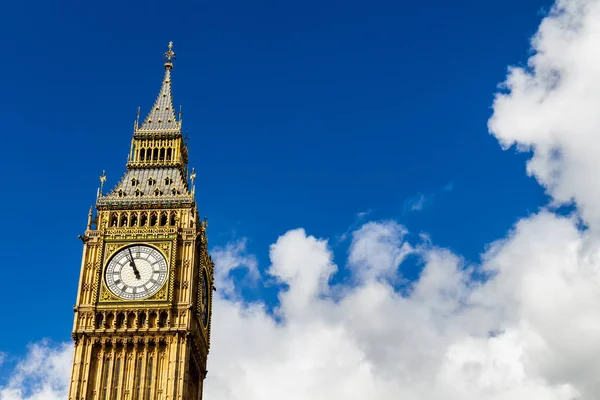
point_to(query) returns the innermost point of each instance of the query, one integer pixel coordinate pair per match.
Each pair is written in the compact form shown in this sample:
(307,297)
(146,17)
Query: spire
(162,115)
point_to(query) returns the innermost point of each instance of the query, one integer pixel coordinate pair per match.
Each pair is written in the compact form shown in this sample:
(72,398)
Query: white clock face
(136,272)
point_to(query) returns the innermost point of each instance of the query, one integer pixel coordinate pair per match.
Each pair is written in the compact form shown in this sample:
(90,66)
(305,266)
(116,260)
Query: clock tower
(142,317)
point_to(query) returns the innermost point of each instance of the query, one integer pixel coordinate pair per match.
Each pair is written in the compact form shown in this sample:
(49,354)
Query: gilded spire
(169,55)
(161,117)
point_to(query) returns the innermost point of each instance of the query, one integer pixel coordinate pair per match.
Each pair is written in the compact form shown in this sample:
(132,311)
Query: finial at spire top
(169,56)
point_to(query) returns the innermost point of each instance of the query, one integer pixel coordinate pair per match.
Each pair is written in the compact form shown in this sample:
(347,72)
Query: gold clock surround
(165,248)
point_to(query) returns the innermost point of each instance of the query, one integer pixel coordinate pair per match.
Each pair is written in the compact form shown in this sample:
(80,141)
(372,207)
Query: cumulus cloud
(377,249)
(42,375)
(522,324)
(230,258)
(449,338)
(551,107)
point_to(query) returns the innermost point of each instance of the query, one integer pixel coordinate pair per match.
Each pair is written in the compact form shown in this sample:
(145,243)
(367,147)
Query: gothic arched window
(144,219)
(141,319)
(120,320)
(153,219)
(124,219)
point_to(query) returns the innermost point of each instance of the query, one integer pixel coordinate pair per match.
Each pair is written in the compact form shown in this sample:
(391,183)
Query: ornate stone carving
(107,296)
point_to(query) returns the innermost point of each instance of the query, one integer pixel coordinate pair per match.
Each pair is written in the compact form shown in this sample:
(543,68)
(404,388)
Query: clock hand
(132,264)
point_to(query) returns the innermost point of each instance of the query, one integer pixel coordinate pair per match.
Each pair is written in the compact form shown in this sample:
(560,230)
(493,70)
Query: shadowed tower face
(142,318)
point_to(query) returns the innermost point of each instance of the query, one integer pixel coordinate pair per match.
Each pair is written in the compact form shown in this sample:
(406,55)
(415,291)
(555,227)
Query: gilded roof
(153,185)
(162,115)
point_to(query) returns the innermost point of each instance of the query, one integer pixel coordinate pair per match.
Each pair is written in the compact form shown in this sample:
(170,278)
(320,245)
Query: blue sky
(300,114)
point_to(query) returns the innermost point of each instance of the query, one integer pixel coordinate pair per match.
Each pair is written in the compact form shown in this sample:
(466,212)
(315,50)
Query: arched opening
(141,319)
(144,219)
(168,154)
(152,320)
(114,220)
(124,219)
(148,154)
(130,320)
(172,221)
(162,154)
(155,155)
(116,377)
(149,377)
(163,319)
(99,320)
(142,154)
(153,219)
(120,320)
(110,318)
(134,220)
(163,219)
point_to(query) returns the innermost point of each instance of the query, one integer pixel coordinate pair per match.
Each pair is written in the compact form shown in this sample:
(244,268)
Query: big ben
(143,310)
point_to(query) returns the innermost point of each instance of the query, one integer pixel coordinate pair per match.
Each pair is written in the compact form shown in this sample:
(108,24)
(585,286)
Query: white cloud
(305,266)
(377,250)
(229,258)
(369,341)
(551,108)
(42,375)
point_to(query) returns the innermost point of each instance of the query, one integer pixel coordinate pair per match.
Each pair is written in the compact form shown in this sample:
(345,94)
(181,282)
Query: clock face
(204,297)
(136,272)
